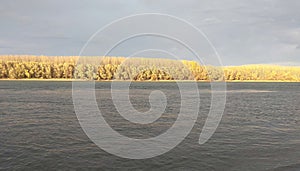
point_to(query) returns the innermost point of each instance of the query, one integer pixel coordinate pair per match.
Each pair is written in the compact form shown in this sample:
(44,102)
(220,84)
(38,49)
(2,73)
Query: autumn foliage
(139,69)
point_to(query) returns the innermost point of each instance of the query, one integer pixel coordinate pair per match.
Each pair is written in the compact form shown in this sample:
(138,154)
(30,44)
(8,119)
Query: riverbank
(204,81)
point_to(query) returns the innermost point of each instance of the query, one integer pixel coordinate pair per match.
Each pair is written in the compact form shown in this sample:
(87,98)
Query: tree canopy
(139,69)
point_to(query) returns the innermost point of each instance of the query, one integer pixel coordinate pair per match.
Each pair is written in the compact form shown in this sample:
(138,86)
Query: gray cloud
(258,31)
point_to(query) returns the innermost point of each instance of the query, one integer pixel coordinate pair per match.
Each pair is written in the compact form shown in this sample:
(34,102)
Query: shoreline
(202,81)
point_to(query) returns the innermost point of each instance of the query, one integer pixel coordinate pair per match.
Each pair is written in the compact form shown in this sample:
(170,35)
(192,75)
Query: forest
(137,69)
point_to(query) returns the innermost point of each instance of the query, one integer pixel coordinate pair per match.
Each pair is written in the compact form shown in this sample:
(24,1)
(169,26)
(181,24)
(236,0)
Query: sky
(242,31)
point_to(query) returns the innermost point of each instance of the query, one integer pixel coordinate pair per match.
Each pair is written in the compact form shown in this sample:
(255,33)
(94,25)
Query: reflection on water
(260,129)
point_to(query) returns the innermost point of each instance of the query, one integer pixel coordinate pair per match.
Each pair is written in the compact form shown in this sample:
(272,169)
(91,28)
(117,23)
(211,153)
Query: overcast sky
(243,31)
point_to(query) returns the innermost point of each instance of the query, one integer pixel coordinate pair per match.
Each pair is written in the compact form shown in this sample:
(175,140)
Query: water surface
(260,128)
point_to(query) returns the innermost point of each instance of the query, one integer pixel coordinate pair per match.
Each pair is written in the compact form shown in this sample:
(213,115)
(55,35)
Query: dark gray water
(260,129)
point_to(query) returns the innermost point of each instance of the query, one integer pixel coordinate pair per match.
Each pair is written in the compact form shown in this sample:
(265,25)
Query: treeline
(140,69)
(262,72)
